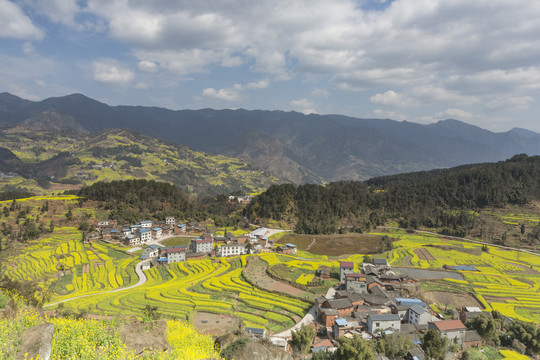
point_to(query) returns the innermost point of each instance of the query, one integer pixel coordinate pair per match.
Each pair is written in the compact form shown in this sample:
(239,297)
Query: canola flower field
(506,280)
(90,339)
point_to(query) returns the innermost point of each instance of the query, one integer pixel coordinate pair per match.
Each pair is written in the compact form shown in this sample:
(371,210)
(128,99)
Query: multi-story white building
(146,224)
(232,250)
(203,244)
(175,254)
(145,235)
(170,220)
(157,232)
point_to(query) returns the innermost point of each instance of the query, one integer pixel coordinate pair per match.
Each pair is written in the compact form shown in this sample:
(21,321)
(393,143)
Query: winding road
(138,271)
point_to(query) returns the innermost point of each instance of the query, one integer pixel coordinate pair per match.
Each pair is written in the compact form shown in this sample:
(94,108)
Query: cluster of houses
(372,302)
(137,234)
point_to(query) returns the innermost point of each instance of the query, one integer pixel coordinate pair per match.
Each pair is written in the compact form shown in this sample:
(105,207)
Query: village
(372,302)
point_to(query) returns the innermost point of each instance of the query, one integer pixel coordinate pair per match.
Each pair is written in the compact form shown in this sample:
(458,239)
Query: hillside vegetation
(43,161)
(296,147)
(447,200)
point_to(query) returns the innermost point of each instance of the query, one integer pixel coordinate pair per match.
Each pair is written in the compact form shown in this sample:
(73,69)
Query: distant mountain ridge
(296,147)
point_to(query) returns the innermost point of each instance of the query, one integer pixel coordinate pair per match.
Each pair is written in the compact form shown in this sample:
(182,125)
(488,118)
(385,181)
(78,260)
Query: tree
(301,339)
(486,327)
(394,346)
(354,349)
(434,345)
(522,229)
(368,259)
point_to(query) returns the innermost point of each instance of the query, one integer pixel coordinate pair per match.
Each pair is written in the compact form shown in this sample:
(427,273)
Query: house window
(377,324)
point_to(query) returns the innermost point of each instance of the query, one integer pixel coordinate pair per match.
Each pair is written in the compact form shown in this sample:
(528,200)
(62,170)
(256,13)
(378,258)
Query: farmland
(507,281)
(64,267)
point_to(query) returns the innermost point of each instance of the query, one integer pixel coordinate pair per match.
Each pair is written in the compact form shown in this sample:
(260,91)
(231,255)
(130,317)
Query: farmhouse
(232,250)
(146,224)
(157,232)
(419,315)
(174,254)
(345,267)
(203,244)
(170,220)
(452,329)
(383,322)
(145,235)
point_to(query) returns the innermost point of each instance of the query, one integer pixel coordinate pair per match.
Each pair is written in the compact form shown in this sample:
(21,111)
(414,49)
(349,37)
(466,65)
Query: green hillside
(45,161)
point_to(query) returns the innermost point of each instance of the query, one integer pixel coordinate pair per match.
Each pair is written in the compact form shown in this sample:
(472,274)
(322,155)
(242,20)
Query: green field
(507,281)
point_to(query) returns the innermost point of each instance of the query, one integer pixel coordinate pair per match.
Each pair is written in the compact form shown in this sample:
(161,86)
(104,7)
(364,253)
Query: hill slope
(66,157)
(299,148)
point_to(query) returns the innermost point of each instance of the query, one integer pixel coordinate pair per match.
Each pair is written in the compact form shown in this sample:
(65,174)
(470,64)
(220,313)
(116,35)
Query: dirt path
(138,271)
(310,245)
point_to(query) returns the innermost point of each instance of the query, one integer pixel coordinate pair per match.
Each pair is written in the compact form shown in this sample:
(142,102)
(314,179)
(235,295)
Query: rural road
(138,271)
(308,319)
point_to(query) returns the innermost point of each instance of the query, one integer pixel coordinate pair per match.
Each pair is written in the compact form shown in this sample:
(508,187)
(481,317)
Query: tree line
(445,198)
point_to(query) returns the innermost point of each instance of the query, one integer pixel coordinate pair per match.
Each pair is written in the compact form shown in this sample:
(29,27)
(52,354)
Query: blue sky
(415,60)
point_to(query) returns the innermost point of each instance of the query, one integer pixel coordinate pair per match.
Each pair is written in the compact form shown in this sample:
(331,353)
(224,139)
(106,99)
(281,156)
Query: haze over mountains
(296,147)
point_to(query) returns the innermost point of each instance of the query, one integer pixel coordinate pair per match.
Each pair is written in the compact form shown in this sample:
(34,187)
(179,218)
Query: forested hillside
(444,199)
(129,201)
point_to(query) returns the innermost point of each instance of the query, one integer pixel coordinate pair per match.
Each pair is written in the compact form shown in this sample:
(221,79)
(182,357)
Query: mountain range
(292,146)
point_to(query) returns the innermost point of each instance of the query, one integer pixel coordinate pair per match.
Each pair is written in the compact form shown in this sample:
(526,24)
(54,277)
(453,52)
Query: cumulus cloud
(108,71)
(147,66)
(235,93)
(391,98)
(15,24)
(321,93)
(383,114)
(261,84)
(303,105)
(58,11)
(229,94)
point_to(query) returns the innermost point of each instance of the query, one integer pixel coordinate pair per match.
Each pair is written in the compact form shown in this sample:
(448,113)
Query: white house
(203,244)
(134,228)
(146,224)
(170,220)
(452,329)
(132,240)
(232,250)
(145,235)
(383,322)
(419,315)
(157,232)
(175,254)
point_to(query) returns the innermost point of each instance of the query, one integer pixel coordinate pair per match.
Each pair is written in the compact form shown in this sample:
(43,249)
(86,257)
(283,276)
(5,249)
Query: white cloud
(108,71)
(15,24)
(261,84)
(147,66)
(58,11)
(234,93)
(383,114)
(320,93)
(229,94)
(391,98)
(303,105)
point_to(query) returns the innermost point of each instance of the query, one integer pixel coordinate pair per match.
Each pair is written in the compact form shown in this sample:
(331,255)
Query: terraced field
(506,280)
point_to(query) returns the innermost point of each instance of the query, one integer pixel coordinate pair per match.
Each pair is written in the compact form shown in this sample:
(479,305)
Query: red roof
(346,264)
(447,325)
(202,241)
(174,250)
